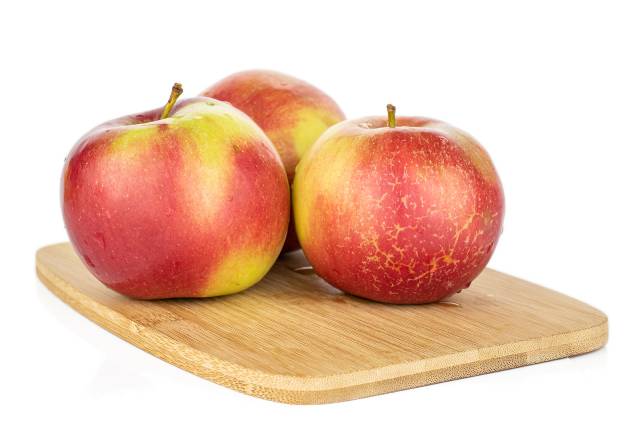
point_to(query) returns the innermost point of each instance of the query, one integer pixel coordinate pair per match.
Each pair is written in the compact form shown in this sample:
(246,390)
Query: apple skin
(291,112)
(403,215)
(194,205)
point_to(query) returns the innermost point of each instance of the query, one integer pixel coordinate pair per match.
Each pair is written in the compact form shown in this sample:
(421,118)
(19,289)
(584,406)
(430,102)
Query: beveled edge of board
(325,389)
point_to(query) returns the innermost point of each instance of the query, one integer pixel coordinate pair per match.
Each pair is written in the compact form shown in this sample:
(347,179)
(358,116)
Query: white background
(551,89)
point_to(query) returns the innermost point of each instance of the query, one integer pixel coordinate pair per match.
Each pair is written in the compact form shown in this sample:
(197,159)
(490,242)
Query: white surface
(550,88)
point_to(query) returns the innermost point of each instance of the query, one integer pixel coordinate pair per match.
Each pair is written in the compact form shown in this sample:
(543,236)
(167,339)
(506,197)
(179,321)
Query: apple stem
(391,115)
(176,91)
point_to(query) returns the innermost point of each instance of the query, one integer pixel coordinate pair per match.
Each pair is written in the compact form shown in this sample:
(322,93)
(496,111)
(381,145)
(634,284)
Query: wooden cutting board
(293,338)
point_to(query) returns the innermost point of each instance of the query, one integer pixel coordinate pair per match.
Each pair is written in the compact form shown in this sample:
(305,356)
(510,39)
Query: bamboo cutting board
(292,338)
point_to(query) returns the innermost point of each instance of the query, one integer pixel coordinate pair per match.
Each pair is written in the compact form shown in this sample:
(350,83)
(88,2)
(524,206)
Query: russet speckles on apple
(402,210)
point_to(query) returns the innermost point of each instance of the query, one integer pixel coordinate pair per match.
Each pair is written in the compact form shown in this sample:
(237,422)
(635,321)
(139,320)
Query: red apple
(405,211)
(292,113)
(189,204)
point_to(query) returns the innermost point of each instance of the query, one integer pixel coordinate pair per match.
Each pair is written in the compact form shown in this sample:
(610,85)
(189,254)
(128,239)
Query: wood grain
(292,338)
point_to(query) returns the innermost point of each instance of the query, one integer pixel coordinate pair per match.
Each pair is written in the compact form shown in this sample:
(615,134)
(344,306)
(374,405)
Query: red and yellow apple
(291,112)
(189,201)
(402,211)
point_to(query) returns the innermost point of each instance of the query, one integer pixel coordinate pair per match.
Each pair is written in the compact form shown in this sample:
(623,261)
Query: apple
(291,112)
(187,201)
(405,210)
